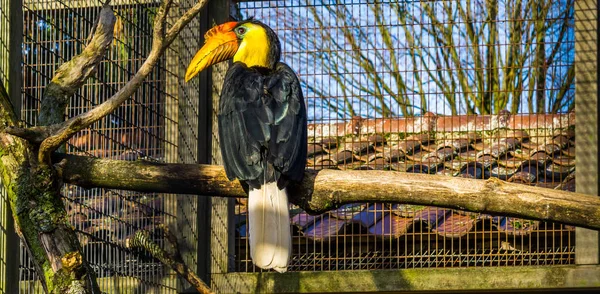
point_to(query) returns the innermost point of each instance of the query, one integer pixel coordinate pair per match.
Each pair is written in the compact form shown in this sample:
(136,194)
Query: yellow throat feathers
(254,48)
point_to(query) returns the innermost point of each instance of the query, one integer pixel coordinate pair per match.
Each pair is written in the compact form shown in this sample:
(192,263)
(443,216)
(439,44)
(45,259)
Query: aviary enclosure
(463,88)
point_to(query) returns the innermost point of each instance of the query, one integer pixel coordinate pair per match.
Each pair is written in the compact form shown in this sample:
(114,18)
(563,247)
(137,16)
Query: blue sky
(309,29)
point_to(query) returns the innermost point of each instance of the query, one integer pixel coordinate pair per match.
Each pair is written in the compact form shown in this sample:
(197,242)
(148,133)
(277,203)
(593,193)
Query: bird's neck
(255,50)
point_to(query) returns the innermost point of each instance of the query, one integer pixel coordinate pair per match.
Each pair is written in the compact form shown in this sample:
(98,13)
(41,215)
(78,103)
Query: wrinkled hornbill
(262,130)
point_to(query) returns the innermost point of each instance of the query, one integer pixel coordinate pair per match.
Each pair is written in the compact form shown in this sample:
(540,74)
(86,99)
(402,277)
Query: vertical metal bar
(587,250)
(15,37)
(204,151)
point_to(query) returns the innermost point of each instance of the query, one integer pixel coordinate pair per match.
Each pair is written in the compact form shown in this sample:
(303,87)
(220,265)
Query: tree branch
(67,80)
(33,135)
(142,239)
(161,42)
(329,189)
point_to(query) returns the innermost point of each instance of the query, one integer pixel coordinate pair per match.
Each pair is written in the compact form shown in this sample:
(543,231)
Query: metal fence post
(586,106)
(13,29)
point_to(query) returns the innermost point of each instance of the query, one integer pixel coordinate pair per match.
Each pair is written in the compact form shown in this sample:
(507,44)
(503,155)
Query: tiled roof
(536,150)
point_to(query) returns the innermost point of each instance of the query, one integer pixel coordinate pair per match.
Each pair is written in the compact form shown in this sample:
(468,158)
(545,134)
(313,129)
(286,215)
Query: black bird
(262,129)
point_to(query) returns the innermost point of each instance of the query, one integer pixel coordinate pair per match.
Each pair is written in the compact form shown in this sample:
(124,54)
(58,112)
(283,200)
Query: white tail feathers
(269,225)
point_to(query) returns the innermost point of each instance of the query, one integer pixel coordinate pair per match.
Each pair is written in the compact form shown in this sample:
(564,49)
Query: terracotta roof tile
(418,168)
(487,161)
(324,227)
(393,152)
(457,144)
(417,155)
(534,150)
(496,150)
(431,216)
(442,154)
(391,226)
(314,149)
(329,142)
(540,156)
(357,147)
(564,160)
(503,173)
(369,215)
(473,170)
(445,171)
(376,139)
(523,177)
(510,162)
(455,225)
(570,151)
(541,121)
(454,165)
(407,146)
(401,165)
(468,155)
(343,156)
(516,226)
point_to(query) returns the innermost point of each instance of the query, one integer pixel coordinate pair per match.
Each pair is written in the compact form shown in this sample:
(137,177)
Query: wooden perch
(142,239)
(329,189)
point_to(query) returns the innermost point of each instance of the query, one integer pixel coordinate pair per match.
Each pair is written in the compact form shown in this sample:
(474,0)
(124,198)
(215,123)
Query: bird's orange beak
(220,44)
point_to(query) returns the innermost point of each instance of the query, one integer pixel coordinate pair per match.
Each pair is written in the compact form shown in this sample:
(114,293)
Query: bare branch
(70,76)
(8,113)
(160,43)
(142,239)
(34,135)
(183,21)
(329,189)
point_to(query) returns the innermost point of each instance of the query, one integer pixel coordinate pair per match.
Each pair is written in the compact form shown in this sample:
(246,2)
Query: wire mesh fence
(473,89)
(5,215)
(147,127)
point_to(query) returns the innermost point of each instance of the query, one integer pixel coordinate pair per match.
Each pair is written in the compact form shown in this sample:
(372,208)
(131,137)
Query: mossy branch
(329,189)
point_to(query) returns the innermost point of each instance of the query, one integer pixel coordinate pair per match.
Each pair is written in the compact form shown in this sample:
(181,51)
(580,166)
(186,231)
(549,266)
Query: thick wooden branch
(329,189)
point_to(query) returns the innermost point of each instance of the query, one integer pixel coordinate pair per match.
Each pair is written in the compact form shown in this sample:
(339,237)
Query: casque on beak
(220,44)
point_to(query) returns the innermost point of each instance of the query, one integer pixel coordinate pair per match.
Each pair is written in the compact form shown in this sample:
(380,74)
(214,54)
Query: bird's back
(262,125)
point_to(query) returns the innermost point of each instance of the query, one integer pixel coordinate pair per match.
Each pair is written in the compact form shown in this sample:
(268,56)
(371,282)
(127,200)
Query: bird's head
(250,41)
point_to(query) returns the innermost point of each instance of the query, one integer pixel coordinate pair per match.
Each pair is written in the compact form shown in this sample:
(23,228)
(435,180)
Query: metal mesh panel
(473,89)
(5,214)
(4,218)
(188,140)
(144,127)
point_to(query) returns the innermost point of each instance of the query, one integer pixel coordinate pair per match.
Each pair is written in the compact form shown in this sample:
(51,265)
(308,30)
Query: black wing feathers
(262,125)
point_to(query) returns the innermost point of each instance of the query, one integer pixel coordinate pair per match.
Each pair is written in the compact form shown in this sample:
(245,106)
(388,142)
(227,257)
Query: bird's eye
(241,31)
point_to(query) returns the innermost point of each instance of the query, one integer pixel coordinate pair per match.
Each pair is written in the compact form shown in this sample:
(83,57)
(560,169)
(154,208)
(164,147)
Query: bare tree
(400,58)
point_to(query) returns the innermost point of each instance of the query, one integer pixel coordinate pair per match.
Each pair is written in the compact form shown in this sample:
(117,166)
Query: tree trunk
(34,186)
